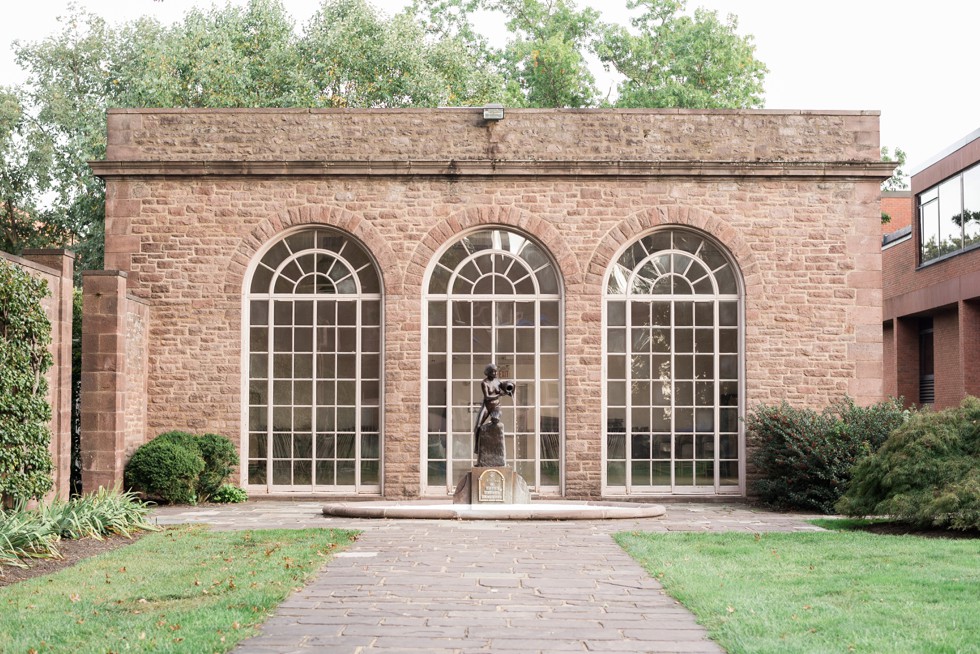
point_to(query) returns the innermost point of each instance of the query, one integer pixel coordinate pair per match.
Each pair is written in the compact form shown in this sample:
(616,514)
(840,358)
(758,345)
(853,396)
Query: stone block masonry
(194,196)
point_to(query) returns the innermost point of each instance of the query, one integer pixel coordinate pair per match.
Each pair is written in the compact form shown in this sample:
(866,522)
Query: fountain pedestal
(491,481)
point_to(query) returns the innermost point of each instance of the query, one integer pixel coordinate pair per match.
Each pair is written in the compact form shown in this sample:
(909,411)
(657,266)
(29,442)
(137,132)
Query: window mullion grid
(671,347)
(357,395)
(537,389)
(269,399)
(314,398)
(716,393)
(628,398)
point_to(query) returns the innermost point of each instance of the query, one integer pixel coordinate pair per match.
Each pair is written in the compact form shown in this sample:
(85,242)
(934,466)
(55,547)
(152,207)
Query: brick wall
(898,205)
(802,224)
(56,267)
(948,359)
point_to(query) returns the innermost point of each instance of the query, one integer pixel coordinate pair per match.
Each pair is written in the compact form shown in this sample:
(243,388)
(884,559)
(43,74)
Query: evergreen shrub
(166,471)
(805,457)
(229,494)
(217,453)
(25,435)
(926,474)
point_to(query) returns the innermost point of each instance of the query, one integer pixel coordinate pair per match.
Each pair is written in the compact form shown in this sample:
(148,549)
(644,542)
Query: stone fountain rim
(543,510)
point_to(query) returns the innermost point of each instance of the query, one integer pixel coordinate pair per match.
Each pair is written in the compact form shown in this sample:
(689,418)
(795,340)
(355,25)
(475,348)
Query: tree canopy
(347,55)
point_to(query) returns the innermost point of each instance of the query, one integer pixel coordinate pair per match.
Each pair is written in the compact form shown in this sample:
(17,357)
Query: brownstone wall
(114,377)
(793,196)
(56,267)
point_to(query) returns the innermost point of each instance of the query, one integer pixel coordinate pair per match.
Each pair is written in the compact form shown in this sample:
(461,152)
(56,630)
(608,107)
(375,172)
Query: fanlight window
(314,366)
(673,361)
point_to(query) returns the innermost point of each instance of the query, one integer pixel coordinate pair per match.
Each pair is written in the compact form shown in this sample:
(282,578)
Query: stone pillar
(103,378)
(59,375)
(948,359)
(888,361)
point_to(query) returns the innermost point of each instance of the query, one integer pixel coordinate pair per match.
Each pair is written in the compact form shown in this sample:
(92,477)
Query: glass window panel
(259,339)
(302,418)
(282,339)
(302,446)
(950,206)
(616,473)
(258,445)
(369,419)
(704,340)
(704,393)
(525,340)
(346,471)
(929,230)
(683,393)
(550,366)
(616,313)
(261,279)
(660,473)
(640,314)
(641,419)
(728,446)
(661,393)
(640,339)
(346,365)
(282,473)
(728,340)
(659,341)
(370,446)
(729,420)
(282,418)
(725,278)
(302,392)
(728,393)
(616,394)
(728,473)
(256,472)
(616,367)
(704,447)
(369,472)
(346,419)
(704,473)
(436,472)
(660,446)
(325,474)
(661,419)
(684,314)
(683,366)
(640,446)
(684,446)
(616,419)
(728,367)
(258,392)
(661,313)
(683,420)
(970,218)
(639,367)
(639,393)
(616,446)
(640,473)
(684,340)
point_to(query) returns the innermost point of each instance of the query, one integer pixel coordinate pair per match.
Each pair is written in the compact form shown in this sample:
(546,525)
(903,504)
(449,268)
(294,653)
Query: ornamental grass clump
(927,473)
(805,457)
(34,533)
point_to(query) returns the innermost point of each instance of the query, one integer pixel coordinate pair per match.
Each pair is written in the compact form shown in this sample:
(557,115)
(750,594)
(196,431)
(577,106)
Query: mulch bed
(72,551)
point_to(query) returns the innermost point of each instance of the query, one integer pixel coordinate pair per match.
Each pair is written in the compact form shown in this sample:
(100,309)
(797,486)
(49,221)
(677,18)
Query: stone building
(326,287)
(931,284)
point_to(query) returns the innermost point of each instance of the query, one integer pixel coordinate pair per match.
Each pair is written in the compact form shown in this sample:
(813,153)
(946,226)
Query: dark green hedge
(25,435)
(805,457)
(926,474)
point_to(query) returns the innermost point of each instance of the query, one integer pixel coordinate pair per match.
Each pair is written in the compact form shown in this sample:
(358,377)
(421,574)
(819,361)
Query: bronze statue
(493,389)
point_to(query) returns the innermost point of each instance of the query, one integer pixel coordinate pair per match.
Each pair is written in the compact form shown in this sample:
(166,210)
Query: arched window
(673,361)
(314,366)
(493,296)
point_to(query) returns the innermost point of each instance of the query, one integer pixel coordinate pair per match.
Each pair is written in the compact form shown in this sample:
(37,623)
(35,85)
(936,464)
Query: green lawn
(180,590)
(822,592)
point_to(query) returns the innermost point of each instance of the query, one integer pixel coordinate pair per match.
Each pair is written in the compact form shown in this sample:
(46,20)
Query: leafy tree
(348,55)
(899,180)
(673,60)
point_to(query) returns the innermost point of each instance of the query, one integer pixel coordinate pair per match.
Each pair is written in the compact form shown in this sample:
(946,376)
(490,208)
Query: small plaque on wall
(491,487)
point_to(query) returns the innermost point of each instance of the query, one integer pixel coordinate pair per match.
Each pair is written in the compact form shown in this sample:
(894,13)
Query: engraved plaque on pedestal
(491,486)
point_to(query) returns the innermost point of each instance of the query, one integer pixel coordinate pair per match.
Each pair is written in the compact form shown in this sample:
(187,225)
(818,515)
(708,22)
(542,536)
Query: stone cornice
(877,170)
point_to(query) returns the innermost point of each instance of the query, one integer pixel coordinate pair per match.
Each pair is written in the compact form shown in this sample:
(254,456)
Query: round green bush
(805,457)
(219,455)
(926,474)
(166,471)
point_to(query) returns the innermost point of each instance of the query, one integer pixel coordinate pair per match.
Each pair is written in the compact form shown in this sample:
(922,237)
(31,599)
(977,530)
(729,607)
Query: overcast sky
(914,62)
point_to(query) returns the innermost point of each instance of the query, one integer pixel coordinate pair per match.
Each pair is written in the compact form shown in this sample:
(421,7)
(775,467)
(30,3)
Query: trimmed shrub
(217,452)
(229,494)
(805,457)
(25,333)
(166,471)
(926,474)
(220,457)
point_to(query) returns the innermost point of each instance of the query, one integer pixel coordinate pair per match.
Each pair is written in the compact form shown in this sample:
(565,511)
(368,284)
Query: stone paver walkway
(451,586)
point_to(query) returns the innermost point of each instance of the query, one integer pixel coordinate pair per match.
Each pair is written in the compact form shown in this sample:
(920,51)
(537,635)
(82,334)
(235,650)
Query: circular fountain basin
(558,510)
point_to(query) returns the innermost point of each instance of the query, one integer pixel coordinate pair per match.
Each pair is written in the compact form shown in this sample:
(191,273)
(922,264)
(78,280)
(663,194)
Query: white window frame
(538,297)
(628,488)
(359,297)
